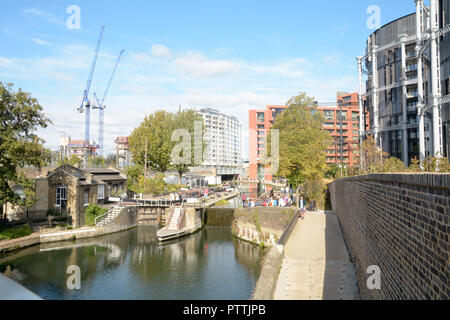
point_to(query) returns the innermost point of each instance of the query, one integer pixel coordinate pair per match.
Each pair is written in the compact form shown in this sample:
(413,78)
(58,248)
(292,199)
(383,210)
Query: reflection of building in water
(151,260)
(246,254)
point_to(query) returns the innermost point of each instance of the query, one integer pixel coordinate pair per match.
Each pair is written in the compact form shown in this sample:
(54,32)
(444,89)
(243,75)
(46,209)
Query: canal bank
(129,219)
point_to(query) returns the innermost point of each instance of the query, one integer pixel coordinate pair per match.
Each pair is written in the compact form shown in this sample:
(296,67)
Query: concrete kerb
(271,266)
(267,282)
(12,245)
(15,244)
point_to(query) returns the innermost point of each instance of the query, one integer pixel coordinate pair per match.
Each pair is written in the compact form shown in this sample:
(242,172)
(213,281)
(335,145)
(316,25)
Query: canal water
(211,264)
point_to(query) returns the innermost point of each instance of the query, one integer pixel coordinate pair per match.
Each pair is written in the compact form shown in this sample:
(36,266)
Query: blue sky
(230,55)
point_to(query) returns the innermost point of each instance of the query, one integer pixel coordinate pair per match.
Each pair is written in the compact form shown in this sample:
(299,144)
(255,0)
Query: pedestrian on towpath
(302,207)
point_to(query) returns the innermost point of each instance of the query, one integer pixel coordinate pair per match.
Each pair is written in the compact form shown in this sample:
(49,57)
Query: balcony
(411,67)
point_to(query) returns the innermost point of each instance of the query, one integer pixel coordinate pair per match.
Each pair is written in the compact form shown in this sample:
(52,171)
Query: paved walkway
(316,264)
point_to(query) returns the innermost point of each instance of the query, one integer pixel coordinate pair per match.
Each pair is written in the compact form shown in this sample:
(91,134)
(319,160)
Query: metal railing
(119,205)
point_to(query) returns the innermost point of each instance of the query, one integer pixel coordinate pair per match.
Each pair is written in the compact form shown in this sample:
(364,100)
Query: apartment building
(407,64)
(343,115)
(260,123)
(223,139)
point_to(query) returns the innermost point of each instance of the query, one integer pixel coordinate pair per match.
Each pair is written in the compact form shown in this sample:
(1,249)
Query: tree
(155,135)
(303,142)
(152,141)
(73,161)
(186,119)
(374,160)
(371,156)
(20,116)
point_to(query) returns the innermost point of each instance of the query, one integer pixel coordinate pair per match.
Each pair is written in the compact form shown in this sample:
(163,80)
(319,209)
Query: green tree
(303,143)
(73,161)
(20,117)
(155,134)
(153,137)
(186,119)
(374,160)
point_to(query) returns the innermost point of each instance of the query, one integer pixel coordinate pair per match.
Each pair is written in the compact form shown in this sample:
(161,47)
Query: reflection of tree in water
(183,265)
(93,256)
(249,255)
(153,261)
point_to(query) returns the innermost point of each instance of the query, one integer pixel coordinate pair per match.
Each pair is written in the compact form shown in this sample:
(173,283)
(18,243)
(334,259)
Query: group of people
(271,200)
(176,196)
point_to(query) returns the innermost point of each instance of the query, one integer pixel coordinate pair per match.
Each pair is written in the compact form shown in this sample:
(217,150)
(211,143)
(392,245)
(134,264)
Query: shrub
(14,233)
(314,189)
(92,212)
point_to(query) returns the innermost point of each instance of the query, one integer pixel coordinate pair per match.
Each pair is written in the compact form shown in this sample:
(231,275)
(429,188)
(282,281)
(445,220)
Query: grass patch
(222,202)
(92,212)
(14,233)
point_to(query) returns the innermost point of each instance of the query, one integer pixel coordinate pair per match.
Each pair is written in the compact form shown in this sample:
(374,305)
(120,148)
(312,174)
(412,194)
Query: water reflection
(210,264)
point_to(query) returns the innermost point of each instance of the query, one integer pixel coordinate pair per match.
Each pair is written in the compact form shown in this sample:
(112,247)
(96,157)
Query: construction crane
(86,103)
(101,105)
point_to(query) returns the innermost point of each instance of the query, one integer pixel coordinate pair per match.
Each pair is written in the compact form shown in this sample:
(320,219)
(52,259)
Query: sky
(229,55)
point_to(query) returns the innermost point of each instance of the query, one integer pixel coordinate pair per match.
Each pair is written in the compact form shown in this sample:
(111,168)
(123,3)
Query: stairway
(110,217)
(173,223)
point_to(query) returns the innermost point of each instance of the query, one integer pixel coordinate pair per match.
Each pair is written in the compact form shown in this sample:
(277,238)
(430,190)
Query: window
(260,116)
(260,126)
(86,197)
(61,195)
(329,114)
(101,191)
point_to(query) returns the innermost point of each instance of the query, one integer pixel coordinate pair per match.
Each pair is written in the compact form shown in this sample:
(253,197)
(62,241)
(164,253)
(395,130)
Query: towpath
(316,265)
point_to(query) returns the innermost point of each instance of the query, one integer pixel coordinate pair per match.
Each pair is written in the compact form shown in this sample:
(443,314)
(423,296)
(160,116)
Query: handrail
(109,211)
(101,216)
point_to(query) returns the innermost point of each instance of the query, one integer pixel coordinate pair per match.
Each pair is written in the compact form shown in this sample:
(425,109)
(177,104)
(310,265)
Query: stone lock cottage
(69,190)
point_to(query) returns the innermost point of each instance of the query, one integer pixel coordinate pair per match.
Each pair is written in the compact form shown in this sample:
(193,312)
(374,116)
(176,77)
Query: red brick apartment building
(261,121)
(350,128)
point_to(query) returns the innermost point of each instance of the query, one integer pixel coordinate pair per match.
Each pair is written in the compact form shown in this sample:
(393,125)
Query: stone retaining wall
(400,223)
(262,225)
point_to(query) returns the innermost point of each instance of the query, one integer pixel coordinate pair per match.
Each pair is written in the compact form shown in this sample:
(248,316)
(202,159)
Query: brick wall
(399,222)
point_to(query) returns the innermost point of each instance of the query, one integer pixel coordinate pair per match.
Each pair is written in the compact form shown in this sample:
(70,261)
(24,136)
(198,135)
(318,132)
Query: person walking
(244,199)
(302,207)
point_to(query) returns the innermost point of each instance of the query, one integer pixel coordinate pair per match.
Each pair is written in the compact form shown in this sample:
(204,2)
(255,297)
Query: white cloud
(40,41)
(46,15)
(197,65)
(159,50)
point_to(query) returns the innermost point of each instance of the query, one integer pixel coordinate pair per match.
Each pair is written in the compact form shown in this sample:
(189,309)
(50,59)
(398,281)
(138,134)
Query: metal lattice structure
(403,87)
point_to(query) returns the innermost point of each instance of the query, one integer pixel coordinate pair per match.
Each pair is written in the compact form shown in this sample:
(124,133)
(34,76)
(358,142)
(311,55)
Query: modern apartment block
(223,139)
(345,113)
(260,123)
(407,64)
